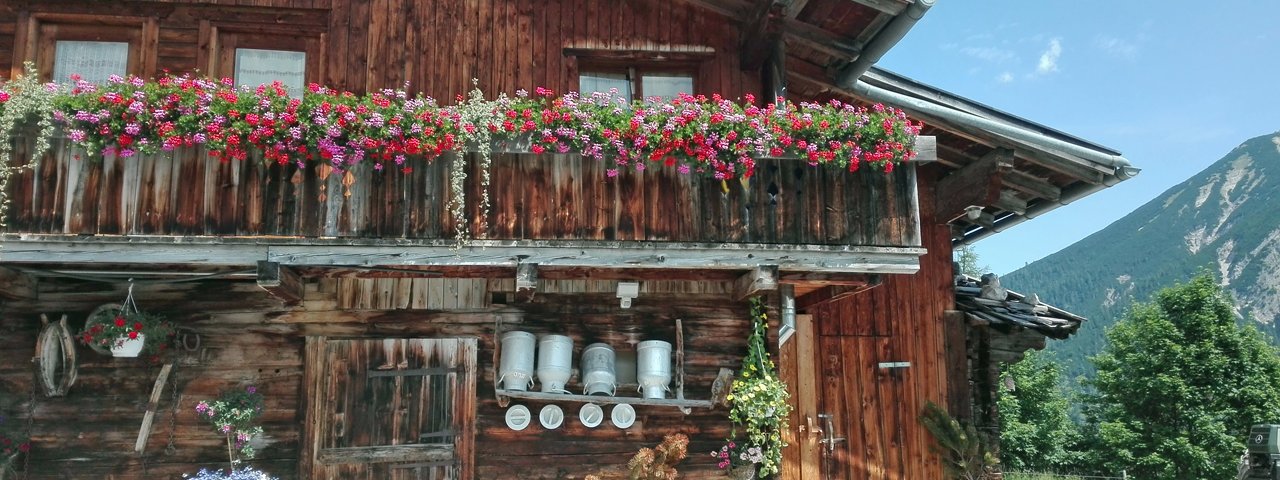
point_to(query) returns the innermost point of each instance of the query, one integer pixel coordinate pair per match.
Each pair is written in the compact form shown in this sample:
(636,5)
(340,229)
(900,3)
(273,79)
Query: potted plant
(234,415)
(124,330)
(12,446)
(758,406)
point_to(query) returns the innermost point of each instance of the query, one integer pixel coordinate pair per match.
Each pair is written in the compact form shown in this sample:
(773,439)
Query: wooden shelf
(560,397)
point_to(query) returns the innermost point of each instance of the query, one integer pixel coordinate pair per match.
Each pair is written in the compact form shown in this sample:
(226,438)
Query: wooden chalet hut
(344,297)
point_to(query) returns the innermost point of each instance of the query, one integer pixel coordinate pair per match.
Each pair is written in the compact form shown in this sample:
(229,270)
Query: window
(262,67)
(636,83)
(251,57)
(95,47)
(93,61)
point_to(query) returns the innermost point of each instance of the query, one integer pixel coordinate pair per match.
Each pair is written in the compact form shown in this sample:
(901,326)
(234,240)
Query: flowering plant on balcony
(711,136)
(234,415)
(758,405)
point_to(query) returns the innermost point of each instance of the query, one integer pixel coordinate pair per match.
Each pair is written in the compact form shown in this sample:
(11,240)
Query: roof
(1014,311)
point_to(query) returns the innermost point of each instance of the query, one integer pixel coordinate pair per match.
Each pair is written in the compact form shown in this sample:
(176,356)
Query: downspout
(787,292)
(926,108)
(884,40)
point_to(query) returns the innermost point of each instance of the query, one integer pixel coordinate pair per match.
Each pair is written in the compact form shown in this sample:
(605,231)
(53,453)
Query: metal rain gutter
(884,40)
(927,108)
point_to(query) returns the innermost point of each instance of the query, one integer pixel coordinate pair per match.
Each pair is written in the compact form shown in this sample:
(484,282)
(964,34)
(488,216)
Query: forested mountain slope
(1225,218)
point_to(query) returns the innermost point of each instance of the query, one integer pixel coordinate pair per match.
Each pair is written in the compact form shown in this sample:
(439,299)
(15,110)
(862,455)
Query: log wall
(541,197)
(438,48)
(249,338)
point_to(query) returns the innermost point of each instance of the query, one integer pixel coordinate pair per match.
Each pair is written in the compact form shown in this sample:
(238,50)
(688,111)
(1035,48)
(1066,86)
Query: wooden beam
(730,10)
(760,279)
(833,293)
(817,38)
(16,285)
(926,147)
(794,7)
(824,279)
(976,184)
(891,7)
(759,34)
(281,282)
(1011,202)
(302,252)
(1032,185)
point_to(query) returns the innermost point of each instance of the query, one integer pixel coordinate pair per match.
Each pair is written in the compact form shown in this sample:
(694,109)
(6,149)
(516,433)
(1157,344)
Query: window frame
(635,72)
(226,39)
(44,30)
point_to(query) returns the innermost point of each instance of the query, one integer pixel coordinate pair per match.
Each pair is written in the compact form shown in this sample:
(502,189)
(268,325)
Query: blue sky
(1174,86)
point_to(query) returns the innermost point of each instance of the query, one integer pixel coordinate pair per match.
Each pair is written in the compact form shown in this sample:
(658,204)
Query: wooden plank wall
(907,311)
(436,47)
(532,196)
(249,338)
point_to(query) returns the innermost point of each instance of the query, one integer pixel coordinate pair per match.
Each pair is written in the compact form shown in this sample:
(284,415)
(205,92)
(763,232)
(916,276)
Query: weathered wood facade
(359,259)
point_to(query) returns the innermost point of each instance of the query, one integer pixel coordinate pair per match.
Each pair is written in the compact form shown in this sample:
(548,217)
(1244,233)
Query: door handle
(830,440)
(809,426)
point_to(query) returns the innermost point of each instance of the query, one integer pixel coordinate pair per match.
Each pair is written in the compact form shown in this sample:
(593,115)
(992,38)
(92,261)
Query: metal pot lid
(518,417)
(623,415)
(551,417)
(591,415)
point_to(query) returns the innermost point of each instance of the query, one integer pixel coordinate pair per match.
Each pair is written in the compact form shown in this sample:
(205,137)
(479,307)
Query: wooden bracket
(977,184)
(281,282)
(760,279)
(526,281)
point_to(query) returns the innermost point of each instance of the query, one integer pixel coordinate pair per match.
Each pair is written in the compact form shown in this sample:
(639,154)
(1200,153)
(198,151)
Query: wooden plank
(147,418)
(386,454)
(806,403)
(570,397)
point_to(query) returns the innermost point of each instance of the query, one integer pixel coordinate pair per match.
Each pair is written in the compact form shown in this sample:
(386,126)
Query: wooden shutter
(400,409)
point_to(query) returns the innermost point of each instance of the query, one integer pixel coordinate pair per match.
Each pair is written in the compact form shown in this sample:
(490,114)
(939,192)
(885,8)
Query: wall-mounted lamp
(973,212)
(628,291)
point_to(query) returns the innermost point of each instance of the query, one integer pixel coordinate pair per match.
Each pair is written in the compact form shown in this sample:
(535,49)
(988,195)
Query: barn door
(398,409)
(860,403)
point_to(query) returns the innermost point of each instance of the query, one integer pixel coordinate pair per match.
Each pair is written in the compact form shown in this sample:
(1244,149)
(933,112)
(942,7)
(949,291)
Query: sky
(1172,85)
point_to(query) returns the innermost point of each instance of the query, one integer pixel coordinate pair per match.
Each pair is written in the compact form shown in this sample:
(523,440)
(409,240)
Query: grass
(1039,476)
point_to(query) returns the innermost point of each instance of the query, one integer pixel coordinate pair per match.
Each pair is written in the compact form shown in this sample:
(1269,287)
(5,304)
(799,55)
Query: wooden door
(850,411)
(398,409)
(861,403)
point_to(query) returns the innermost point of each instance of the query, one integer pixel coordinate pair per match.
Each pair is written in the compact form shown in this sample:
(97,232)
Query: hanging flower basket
(122,330)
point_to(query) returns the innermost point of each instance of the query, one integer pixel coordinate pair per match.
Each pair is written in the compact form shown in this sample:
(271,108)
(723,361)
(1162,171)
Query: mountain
(1225,218)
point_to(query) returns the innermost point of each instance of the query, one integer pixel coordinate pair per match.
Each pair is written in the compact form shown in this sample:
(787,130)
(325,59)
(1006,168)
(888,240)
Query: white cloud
(989,54)
(1116,47)
(1004,77)
(1049,58)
